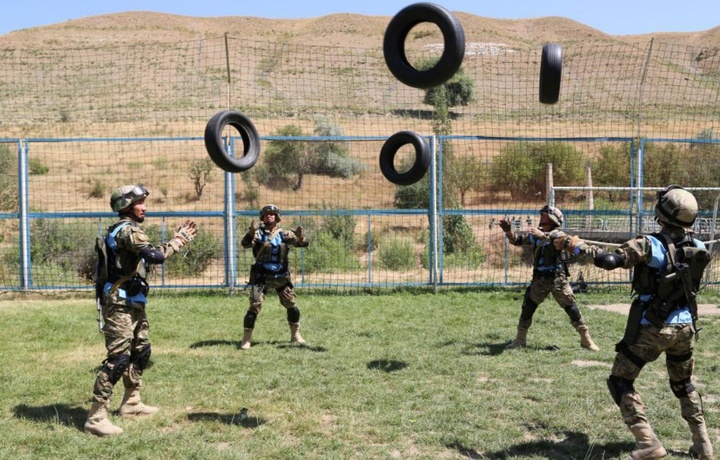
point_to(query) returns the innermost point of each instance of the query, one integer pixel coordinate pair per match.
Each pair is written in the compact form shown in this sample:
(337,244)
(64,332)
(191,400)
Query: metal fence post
(23,206)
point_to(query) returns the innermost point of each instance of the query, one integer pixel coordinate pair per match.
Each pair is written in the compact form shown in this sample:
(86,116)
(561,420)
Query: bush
(37,168)
(325,255)
(8,179)
(193,259)
(397,254)
(341,227)
(68,246)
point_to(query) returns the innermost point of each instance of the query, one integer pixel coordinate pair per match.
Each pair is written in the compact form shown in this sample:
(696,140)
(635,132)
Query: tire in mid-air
(215,144)
(394,45)
(550,73)
(391,147)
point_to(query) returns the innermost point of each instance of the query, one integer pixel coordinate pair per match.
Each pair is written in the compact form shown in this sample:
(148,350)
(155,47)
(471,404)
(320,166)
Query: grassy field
(406,375)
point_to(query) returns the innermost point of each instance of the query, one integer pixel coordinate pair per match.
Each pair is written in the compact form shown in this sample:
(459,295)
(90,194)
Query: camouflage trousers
(126,336)
(676,341)
(558,286)
(281,285)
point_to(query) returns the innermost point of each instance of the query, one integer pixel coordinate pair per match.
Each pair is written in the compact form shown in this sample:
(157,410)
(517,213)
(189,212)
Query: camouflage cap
(125,196)
(554,214)
(676,206)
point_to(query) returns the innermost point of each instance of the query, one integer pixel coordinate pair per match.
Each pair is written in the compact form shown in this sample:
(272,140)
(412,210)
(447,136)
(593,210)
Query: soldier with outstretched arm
(550,276)
(668,267)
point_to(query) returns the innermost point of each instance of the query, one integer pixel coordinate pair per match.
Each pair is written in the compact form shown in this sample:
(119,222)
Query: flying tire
(394,45)
(390,149)
(215,144)
(550,73)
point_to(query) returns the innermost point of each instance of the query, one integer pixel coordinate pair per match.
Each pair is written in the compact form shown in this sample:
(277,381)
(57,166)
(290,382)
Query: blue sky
(615,17)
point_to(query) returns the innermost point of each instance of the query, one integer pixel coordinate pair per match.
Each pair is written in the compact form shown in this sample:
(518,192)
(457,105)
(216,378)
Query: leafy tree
(284,158)
(200,174)
(520,167)
(332,158)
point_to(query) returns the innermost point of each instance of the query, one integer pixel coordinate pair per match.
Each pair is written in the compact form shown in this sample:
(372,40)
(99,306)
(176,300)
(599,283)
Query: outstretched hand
(505,225)
(299,233)
(187,232)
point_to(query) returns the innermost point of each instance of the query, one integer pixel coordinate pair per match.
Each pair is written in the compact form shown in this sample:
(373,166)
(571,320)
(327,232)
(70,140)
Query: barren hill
(342,30)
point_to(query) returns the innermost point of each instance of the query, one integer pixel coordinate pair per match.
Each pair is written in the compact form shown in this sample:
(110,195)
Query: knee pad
(293,315)
(573,312)
(528,307)
(249,321)
(682,388)
(141,359)
(115,367)
(618,386)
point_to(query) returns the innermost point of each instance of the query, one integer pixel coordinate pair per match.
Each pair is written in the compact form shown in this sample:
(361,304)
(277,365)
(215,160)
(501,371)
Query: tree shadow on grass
(61,414)
(495,349)
(276,343)
(227,419)
(572,446)
(386,365)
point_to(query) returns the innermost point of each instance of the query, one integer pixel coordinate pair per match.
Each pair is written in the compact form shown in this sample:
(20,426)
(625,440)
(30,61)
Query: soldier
(668,268)
(125,253)
(549,276)
(270,245)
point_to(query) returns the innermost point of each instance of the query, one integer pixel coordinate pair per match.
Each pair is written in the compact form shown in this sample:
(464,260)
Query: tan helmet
(270,209)
(676,207)
(554,215)
(123,197)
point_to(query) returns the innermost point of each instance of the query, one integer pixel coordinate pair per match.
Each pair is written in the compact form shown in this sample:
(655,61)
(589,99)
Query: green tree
(520,167)
(284,158)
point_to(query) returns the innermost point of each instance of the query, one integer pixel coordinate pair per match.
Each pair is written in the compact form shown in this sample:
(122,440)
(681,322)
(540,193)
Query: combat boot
(585,340)
(98,423)
(247,336)
(521,339)
(132,405)
(647,445)
(295,336)
(701,448)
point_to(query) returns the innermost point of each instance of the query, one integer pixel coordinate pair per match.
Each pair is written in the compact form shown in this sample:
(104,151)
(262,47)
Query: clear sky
(615,17)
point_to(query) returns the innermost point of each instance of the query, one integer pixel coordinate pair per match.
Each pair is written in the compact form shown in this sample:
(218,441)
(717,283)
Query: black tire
(391,147)
(216,147)
(550,73)
(394,45)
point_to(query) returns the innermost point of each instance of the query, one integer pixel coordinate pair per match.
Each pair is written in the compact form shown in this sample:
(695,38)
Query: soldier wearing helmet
(668,267)
(270,245)
(549,276)
(124,254)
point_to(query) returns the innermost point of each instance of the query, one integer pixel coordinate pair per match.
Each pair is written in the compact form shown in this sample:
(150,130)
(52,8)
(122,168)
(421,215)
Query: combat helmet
(676,207)
(270,209)
(123,197)
(554,215)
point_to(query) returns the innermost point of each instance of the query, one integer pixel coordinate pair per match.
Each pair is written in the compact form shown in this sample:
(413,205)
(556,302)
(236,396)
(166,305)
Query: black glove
(609,260)
(505,225)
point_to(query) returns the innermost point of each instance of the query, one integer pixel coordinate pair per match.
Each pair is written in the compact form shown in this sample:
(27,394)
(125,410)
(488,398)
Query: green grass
(387,376)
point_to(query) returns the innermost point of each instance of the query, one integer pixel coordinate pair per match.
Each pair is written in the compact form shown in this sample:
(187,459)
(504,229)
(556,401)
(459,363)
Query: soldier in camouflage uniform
(549,276)
(270,245)
(123,303)
(661,319)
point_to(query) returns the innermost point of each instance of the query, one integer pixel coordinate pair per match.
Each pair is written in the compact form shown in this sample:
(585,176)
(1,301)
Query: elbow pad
(152,255)
(609,260)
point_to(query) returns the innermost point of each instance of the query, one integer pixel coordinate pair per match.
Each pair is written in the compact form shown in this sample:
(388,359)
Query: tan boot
(701,448)
(647,445)
(585,340)
(132,405)
(520,340)
(247,336)
(98,422)
(295,336)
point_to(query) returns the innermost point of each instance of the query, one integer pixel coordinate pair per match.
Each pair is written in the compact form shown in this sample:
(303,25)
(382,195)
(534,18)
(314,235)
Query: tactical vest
(266,252)
(547,257)
(653,281)
(115,268)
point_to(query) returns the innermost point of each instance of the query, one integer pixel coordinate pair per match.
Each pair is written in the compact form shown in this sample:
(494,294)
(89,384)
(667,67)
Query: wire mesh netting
(77,123)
